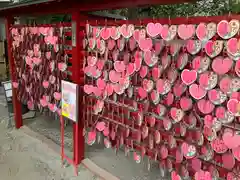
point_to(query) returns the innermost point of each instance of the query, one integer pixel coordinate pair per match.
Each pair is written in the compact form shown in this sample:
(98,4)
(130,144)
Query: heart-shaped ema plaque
(150,58)
(194,46)
(188,76)
(216,96)
(115,33)
(175,176)
(205,106)
(227,29)
(200,64)
(127,30)
(189,151)
(208,80)
(231,139)
(145,44)
(154,29)
(168,33)
(105,33)
(221,65)
(233,106)
(233,48)
(177,114)
(213,48)
(197,92)
(139,34)
(147,85)
(219,146)
(200,175)
(182,60)
(186,31)
(205,32)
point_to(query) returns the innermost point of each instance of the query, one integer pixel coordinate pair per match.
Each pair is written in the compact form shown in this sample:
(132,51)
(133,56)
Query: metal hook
(140,21)
(105,22)
(169,20)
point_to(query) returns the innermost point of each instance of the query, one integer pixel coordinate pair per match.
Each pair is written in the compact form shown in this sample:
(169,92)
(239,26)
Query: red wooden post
(77,64)
(16,104)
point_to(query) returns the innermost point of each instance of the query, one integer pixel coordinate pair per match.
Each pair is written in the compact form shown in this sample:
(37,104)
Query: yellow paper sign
(65,110)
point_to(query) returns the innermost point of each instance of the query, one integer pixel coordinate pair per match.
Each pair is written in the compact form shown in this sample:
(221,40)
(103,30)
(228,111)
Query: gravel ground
(23,157)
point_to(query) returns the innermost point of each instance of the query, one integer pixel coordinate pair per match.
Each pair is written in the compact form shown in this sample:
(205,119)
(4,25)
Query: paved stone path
(23,157)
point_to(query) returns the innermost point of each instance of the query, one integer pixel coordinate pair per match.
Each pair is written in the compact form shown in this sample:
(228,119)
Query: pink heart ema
(233,106)
(57,96)
(145,44)
(202,175)
(186,31)
(231,139)
(154,29)
(188,76)
(175,176)
(197,92)
(222,65)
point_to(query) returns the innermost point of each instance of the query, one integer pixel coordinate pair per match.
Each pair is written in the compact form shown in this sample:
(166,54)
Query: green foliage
(235,6)
(199,8)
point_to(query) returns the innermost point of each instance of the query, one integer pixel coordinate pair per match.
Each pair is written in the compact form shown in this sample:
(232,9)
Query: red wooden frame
(75,69)
(74,8)
(16,104)
(175,21)
(77,64)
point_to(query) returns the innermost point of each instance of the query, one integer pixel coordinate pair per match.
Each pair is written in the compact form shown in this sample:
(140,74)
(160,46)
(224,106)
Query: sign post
(70,100)
(69,105)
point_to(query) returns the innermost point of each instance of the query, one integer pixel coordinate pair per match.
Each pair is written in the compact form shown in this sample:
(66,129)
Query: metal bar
(63,155)
(68,51)
(16,104)
(68,33)
(62,24)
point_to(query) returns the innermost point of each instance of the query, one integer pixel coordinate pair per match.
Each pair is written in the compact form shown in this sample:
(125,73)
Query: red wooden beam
(77,57)
(16,104)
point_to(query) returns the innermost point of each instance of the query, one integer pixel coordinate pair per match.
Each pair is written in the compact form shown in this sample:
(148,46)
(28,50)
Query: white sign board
(69,100)
(7,85)
(8,88)
(9,93)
